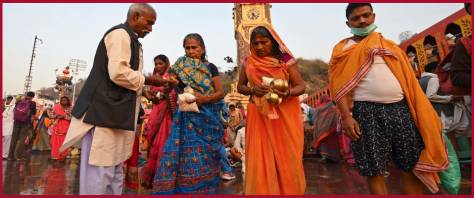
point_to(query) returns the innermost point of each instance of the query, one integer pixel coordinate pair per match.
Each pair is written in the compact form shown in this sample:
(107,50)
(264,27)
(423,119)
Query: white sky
(74,30)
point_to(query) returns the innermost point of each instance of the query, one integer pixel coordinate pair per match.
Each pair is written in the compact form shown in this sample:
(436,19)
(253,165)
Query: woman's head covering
(275,36)
(258,67)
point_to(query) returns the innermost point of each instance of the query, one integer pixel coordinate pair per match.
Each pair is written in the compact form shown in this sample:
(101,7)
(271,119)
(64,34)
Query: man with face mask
(106,112)
(383,108)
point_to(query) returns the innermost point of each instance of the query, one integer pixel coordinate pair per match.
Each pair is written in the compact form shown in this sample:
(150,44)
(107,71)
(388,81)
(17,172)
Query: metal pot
(273,98)
(280,85)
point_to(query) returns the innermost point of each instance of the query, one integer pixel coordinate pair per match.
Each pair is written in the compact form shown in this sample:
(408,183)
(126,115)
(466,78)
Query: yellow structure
(458,24)
(246,17)
(236,97)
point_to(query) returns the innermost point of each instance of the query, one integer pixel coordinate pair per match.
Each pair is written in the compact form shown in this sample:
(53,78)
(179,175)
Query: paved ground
(39,176)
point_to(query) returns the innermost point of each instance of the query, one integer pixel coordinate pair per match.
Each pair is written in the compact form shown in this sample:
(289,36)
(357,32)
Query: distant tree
(53,94)
(404,36)
(314,73)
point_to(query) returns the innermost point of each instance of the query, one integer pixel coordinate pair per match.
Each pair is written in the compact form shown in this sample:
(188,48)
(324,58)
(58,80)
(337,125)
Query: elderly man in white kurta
(106,111)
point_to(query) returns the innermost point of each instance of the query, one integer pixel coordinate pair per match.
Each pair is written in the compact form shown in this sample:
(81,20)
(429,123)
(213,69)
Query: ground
(40,176)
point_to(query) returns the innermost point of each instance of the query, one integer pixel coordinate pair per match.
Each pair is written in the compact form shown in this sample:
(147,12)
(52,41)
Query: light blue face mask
(364,31)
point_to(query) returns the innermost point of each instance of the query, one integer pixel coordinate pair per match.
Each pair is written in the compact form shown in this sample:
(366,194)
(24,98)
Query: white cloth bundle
(186,103)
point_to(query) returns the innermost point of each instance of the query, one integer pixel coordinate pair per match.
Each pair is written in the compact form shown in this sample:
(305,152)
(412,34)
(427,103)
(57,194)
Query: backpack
(444,69)
(21,113)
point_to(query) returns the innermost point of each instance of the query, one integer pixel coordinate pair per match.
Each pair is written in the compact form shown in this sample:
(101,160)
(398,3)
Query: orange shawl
(347,67)
(274,145)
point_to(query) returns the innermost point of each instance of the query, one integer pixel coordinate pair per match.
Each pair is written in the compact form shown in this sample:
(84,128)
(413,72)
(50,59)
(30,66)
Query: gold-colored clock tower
(246,17)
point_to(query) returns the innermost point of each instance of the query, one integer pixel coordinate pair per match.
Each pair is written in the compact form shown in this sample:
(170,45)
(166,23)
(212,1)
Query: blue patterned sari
(190,162)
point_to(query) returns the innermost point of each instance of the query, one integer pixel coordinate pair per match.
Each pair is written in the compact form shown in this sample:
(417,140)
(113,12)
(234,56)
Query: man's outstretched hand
(156,80)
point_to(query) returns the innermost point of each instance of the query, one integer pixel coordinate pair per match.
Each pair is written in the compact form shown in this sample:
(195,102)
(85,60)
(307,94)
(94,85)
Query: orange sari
(347,67)
(274,134)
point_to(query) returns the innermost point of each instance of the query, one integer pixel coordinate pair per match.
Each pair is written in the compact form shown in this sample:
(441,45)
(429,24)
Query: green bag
(451,177)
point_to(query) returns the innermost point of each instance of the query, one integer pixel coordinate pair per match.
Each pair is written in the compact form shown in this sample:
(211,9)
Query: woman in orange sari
(62,114)
(274,133)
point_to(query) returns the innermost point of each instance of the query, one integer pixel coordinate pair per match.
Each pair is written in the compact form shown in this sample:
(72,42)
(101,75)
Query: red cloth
(59,131)
(345,143)
(131,167)
(244,114)
(158,130)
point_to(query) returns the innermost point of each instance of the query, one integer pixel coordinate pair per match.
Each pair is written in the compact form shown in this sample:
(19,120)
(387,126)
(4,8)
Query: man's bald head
(141,17)
(139,9)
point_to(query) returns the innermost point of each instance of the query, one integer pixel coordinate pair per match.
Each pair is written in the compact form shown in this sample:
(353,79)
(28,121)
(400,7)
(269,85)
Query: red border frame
(211,1)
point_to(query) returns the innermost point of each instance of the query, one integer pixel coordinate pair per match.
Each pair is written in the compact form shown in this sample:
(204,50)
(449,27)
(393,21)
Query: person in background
(23,114)
(443,103)
(461,80)
(450,40)
(413,62)
(159,123)
(308,123)
(238,150)
(42,141)
(62,120)
(242,110)
(7,125)
(235,119)
(326,138)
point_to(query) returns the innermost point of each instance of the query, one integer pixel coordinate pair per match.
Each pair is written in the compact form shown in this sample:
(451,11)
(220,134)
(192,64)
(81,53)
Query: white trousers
(98,180)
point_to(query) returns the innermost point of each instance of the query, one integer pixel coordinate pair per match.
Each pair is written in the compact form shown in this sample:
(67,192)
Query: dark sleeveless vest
(105,103)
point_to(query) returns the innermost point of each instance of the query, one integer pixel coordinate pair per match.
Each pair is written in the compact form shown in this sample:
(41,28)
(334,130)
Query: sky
(73,31)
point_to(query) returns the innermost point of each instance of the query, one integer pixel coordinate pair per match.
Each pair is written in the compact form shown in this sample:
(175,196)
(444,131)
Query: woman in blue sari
(190,158)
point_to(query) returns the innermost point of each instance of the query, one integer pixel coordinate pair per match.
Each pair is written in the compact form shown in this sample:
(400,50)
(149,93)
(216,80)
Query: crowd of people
(29,126)
(190,139)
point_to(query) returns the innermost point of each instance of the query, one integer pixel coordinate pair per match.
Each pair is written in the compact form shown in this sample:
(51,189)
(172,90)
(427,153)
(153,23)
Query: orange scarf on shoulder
(346,69)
